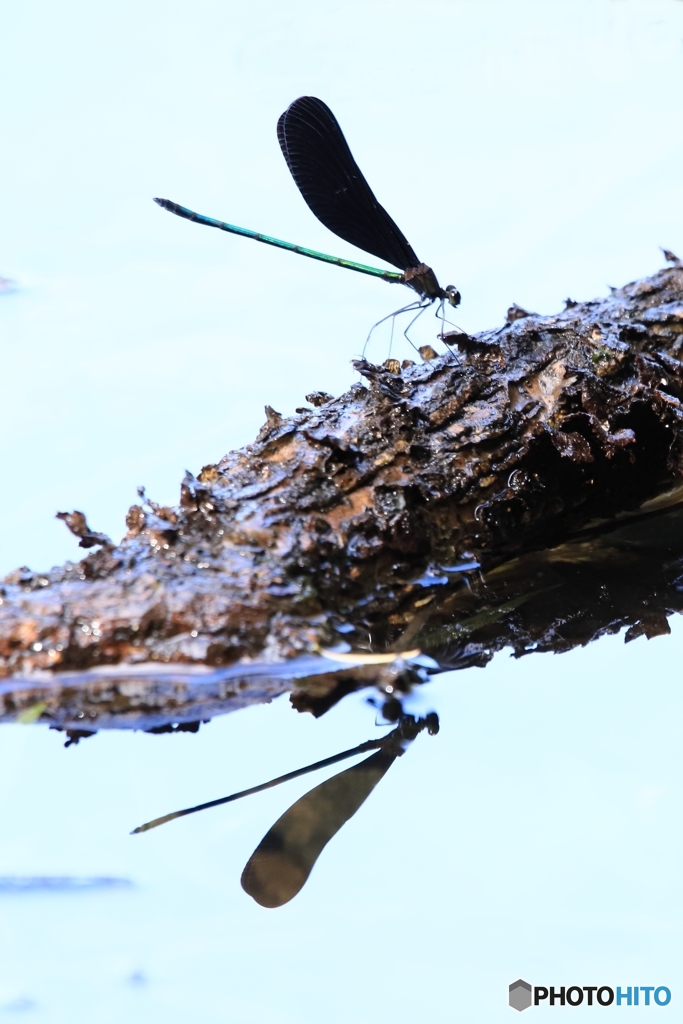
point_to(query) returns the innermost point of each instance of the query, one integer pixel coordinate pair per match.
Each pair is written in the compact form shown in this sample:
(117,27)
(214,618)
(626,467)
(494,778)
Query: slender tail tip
(165,204)
(157,821)
(143,828)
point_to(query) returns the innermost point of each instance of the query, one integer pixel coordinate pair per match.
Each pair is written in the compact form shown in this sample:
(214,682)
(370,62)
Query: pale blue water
(538,835)
(529,151)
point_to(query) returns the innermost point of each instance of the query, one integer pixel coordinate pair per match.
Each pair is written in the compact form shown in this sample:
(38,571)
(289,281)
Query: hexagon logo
(520,995)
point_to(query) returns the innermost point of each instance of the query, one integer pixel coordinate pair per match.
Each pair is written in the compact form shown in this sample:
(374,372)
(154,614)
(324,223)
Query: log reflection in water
(623,575)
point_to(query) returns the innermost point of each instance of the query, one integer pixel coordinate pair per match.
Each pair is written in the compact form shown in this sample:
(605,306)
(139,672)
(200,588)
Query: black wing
(281,863)
(332,184)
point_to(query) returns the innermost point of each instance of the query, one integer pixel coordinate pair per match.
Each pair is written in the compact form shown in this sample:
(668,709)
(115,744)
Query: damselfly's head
(453,295)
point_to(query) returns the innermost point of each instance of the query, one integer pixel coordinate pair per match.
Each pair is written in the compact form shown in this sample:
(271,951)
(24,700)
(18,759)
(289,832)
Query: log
(336,524)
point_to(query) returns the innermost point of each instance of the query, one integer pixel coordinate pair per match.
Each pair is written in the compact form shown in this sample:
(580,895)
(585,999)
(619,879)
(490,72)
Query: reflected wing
(283,860)
(332,184)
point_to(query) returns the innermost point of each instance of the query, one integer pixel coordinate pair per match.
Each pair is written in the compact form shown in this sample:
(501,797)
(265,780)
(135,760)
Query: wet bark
(335,523)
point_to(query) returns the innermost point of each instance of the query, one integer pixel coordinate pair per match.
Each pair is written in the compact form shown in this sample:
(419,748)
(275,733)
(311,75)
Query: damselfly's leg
(404,309)
(424,304)
(441,315)
(391,336)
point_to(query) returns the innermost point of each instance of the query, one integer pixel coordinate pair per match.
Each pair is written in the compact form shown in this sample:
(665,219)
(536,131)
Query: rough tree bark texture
(331,517)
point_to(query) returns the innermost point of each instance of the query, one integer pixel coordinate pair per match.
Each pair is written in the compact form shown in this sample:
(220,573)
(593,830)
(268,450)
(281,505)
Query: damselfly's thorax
(423,280)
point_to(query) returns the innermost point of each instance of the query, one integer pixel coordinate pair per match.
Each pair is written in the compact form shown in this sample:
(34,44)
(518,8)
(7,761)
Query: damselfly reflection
(333,186)
(280,865)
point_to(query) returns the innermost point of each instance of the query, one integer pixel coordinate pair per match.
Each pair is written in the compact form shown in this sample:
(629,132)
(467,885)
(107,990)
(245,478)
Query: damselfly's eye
(453,295)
